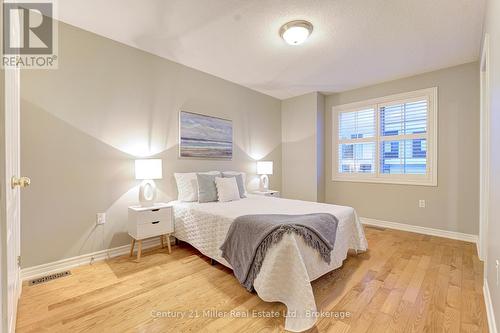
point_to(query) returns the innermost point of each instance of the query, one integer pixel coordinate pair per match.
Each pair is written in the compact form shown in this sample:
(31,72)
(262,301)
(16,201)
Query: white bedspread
(289,266)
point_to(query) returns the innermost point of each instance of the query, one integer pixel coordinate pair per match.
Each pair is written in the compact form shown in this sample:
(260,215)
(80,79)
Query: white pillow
(227,189)
(235,173)
(187,185)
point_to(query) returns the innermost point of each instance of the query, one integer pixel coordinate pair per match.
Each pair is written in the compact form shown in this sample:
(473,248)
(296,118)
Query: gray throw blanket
(250,236)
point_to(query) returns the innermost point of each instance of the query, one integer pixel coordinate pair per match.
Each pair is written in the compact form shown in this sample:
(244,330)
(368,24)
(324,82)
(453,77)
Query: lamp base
(264,183)
(147,193)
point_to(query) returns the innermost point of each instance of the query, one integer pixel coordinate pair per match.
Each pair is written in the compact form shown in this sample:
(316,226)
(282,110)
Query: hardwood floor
(405,283)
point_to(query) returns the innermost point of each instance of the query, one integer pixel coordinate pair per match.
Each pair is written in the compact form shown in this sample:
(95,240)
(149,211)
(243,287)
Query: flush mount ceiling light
(296,32)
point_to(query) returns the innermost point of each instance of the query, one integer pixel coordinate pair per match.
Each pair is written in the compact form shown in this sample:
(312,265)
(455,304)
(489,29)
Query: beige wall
(302,147)
(320,147)
(85,123)
(453,205)
(492,27)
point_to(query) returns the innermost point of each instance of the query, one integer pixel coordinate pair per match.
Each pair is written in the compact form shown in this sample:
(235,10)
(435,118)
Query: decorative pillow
(243,175)
(227,189)
(187,185)
(207,191)
(239,182)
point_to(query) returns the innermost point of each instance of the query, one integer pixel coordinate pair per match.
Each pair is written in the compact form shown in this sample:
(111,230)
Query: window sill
(415,182)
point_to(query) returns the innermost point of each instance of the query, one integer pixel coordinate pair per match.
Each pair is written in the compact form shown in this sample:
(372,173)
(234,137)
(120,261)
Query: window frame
(431,136)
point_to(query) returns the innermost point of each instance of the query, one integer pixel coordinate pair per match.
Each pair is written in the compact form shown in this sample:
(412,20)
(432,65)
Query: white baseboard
(479,252)
(421,230)
(85,259)
(489,308)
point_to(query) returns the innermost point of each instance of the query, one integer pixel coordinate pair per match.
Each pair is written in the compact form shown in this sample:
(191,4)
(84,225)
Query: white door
(484,151)
(11,285)
(10,182)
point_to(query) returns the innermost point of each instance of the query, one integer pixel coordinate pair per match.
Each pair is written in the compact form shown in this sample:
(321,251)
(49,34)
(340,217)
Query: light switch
(101,218)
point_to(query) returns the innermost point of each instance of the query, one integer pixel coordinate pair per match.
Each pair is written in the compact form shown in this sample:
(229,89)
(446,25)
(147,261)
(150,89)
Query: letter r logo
(27,28)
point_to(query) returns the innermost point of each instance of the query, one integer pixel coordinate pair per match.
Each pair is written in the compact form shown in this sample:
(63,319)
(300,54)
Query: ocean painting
(205,137)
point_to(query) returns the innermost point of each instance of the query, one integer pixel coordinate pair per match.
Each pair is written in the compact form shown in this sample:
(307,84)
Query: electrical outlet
(100,218)
(421,203)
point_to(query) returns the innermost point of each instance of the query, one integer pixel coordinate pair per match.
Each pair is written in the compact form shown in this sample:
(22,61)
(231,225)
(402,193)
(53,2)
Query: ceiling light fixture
(296,32)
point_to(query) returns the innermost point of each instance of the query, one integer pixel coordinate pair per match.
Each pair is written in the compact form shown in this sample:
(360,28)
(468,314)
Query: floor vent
(48,278)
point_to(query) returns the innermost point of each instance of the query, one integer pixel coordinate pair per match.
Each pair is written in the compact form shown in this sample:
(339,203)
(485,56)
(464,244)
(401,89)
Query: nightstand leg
(167,236)
(132,247)
(161,240)
(139,249)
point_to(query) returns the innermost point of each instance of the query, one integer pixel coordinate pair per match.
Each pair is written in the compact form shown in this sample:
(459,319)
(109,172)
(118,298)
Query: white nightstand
(148,222)
(269,193)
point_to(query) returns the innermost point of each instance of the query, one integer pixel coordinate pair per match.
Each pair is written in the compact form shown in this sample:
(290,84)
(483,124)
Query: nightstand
(148,222)
(269,193)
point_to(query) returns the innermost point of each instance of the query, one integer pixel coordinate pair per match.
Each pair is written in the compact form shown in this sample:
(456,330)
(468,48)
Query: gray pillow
(239,181)
(207,191)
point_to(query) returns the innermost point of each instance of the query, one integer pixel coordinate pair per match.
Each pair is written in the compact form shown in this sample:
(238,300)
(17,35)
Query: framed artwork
(202,136)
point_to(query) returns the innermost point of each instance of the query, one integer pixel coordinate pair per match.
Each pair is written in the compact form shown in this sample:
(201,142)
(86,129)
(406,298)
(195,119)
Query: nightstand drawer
(148,216)
(152,229)
(269,193)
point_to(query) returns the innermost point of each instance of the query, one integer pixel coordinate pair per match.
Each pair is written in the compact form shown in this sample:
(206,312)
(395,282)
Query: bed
(289,266)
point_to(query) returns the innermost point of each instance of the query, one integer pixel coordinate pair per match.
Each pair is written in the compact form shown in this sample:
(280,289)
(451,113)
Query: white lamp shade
(265,167)
(148,169)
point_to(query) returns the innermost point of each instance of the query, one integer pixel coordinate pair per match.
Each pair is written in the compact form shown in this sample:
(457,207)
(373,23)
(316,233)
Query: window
(387,140)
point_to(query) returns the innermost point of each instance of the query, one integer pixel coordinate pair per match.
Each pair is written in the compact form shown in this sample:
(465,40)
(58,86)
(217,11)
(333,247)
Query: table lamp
(147,170)
(264,168)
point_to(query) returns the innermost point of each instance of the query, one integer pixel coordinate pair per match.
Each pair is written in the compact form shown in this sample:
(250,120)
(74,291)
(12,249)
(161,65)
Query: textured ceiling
(355,42)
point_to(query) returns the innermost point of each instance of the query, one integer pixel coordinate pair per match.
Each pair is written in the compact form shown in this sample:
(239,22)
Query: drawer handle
(155,210)
(156,222)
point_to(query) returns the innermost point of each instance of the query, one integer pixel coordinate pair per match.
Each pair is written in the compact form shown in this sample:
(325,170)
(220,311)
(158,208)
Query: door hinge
(19,261)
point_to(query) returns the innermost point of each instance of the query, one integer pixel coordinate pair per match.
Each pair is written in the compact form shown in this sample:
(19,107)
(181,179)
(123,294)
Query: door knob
(20,181)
